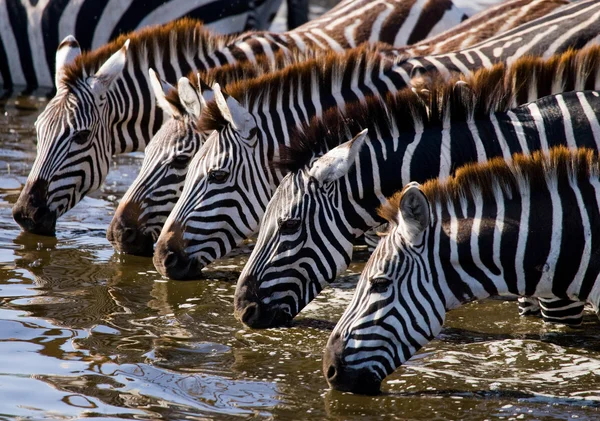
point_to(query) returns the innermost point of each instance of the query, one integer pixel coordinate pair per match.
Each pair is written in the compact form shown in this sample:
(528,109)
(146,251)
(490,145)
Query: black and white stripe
(214,217)
(306,237)
(31,31)
(523,228)
(172,50)
(145,206)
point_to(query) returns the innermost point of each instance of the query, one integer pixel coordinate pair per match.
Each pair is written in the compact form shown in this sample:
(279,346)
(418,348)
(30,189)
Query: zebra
(146,204)
(231,179)
(327,199)
(32,30)
(144,208)
(74,145)
(464,239)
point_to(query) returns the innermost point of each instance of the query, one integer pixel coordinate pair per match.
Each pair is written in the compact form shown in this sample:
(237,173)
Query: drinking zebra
(107,92)
(226,193)
(32,30)
(467,238)
(328,199)
(145,206)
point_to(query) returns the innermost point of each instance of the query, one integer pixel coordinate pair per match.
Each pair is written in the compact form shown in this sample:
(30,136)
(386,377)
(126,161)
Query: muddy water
(85,332)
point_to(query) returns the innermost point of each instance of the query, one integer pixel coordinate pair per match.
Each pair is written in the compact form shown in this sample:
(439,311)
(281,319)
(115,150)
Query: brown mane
(486,91)
(190,35)
(558,164)
(243,70)
(306,75)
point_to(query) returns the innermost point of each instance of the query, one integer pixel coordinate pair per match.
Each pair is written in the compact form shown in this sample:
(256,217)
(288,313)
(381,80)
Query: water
(85,332)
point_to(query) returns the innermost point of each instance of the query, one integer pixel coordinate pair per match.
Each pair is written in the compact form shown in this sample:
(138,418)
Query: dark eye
(217,176)
(380,285)
(81,137)
(289,226)
(180,162)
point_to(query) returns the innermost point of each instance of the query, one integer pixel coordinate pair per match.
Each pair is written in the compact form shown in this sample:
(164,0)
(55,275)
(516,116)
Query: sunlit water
(85,332)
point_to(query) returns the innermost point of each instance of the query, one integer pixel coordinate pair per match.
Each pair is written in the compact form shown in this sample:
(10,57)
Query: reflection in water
(87,332)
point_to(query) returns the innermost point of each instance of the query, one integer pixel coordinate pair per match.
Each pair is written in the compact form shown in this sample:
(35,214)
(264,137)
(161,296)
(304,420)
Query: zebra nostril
(171,260)
(331,372)
(129,235)
(251,314)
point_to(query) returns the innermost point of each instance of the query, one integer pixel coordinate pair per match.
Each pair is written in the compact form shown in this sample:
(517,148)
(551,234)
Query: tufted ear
(161,89)
(233,112)
(337,162)
(66,53)
(192,100)
(110,70)
(414,212)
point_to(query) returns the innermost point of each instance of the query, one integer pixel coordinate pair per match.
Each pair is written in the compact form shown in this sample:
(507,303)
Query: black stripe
(87,21)
(17,16)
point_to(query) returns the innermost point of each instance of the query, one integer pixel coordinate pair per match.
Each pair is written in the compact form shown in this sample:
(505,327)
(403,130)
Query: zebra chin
(346,379)
(170,258)
(31,211)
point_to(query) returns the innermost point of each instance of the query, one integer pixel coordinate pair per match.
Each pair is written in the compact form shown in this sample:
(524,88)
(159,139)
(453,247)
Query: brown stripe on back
(431,14)
(394,22)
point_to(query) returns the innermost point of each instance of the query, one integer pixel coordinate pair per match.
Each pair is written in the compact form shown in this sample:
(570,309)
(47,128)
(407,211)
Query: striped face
(221,204)
(396,309)
(72,158)
(303,244)
(147,203)
(305,241)
(74,143)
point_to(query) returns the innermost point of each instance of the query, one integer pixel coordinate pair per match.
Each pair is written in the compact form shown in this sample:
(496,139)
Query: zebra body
(145,206)
(211,218)
(327,200)
(32,30)
(528,227)
(59,179)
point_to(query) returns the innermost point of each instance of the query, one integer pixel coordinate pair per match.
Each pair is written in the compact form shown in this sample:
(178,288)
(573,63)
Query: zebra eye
(217,176)
(180,162)
(380,285)
(81,137)
(289,226)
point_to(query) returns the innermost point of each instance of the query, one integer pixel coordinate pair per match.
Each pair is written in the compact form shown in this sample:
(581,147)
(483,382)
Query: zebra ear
(414,212)
(191,100)
(233,112)
(161,89)
(66,53)
(109,71)
(337,162)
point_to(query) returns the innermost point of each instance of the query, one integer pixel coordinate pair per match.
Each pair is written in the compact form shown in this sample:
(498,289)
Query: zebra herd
(320,135)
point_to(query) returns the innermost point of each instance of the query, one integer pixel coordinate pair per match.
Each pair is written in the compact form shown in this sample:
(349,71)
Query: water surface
(86,332)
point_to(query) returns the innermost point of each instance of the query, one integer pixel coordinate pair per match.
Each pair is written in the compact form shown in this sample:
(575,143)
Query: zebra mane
(308,76)
(559,164)
(437,102)
(186,35)
(242,70)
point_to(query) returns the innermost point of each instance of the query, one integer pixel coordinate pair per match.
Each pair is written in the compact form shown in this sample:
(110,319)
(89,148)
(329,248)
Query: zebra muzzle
(31,211)
(170,258)
(127,235)
(347,379)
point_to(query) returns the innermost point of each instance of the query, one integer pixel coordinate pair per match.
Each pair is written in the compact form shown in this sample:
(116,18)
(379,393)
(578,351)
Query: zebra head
(304,241)
(73,142)
(223,187)
(145,206)
(395,309)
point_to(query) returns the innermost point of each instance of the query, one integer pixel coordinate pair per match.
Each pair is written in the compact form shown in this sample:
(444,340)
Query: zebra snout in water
(252,312)
(31,211)
(170,258)
(126,232)
(346,379)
